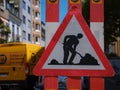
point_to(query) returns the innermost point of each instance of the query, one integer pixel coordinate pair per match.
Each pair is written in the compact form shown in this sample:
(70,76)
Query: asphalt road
(112,83)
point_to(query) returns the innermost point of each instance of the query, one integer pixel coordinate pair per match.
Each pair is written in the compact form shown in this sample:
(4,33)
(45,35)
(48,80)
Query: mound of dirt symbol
(88,60)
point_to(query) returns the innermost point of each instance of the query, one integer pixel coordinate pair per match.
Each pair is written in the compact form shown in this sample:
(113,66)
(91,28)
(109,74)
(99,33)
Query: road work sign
(73,51)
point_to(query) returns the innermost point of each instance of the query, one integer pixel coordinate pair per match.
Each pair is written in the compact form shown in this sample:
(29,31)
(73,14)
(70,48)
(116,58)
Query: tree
(86,10)
(4,32)
(112,21)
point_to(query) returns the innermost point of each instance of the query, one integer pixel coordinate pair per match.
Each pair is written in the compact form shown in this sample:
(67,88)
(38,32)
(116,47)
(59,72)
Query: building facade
(14,20)
(36,21)
(114,48)
(42,41)
(24,19)
(26,16)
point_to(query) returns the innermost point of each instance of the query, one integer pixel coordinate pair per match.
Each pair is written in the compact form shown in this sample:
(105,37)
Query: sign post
(74,4)
(50,83)
(52,19)
(97,20)
(97,83)
(74,83)
(52,10)
(96,25)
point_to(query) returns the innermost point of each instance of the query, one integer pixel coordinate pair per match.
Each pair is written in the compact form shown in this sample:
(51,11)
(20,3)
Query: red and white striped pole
(97,20)
(52,23)
(74,83)
(52,19)
(97,27)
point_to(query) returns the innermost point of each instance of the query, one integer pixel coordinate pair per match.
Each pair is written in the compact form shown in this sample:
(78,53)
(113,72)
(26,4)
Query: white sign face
(73,51)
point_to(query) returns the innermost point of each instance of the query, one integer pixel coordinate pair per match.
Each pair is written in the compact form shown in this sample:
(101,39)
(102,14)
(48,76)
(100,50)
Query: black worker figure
(69,46)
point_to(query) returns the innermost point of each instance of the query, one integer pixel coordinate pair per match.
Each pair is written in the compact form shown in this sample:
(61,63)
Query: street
(111,83)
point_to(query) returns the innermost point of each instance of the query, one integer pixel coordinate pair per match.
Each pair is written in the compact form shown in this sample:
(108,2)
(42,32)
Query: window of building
(29,10)
(37,26)
(24,19)
(17,35)
(29,37)
(37,14)
(16,11)
(43,34)
(7,5)
(13,28)
(24,35)
(24,4)
(13,31)
(11,8)
(37,39)
(17,30)
(29,23)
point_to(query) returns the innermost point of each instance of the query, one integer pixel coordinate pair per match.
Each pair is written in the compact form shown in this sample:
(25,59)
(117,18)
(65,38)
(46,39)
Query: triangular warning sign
(73,51)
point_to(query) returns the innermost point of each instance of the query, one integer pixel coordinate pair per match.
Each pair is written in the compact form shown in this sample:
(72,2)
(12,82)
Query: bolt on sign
(74,1)
(97,1)
(52,1)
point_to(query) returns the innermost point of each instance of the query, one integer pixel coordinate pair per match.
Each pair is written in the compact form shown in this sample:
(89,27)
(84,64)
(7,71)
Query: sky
(63,9)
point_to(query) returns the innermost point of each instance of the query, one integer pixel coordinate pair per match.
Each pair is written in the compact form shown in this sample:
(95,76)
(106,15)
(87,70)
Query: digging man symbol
(69,46)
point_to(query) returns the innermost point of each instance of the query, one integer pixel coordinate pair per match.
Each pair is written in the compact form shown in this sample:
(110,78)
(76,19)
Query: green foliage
(2,25)
(7,29)
(4,30)
(86,10)
(112,21)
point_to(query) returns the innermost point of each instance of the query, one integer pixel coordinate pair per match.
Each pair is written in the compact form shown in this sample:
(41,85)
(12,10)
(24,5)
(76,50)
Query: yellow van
(17,61)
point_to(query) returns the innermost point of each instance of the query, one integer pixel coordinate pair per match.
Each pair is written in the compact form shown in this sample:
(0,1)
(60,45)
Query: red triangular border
(56,72)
